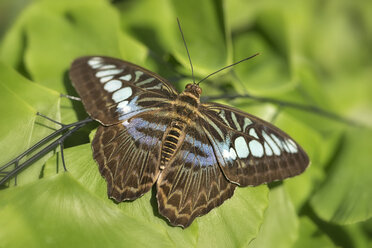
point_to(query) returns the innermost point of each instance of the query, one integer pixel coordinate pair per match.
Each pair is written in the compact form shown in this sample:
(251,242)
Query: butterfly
(196,153)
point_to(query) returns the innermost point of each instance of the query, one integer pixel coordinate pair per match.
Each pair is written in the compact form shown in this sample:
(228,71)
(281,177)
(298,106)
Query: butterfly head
(193,89)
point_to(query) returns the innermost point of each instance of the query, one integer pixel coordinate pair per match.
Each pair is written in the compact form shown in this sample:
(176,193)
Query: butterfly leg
(71,97)
(15,178)
(62,156)
(65,130)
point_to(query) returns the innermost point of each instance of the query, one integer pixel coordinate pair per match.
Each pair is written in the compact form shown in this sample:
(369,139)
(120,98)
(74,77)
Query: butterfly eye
(188,86)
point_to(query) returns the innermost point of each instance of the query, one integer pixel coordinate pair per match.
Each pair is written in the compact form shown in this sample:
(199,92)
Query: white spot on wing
(233,117)
(252,132)
(247,122)
(127,77)
(96,66)
(285,146)
(156,87)
(232,153)
(108,72)
(107,67)
(122,94)
(292,146)
(222,115)
(272,144)
(112,85)
(229,154)
(146,81)
(277,140)
(241,147)
(226,154)
(124,107)
(105,79)
(268,150)
(257,149)
(95,61)
(122,104)
(138,75)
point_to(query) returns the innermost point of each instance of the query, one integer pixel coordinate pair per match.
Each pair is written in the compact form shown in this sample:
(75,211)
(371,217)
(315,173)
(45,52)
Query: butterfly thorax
(187,103)
(186,111)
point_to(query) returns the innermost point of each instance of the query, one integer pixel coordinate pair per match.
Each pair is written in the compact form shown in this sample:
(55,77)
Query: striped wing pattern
(192,184)
(251,151)
(195,153)
(128,154)
(113,90)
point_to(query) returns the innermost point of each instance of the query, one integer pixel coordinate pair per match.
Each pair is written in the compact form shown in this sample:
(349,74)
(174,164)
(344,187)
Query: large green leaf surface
(61,34)
(310,236)
(20,100)
(59,212)
(280,226)
(346,196)
(208,42)
(311,53)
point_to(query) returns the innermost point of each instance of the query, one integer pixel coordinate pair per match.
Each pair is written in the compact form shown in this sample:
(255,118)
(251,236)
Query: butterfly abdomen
(171,142)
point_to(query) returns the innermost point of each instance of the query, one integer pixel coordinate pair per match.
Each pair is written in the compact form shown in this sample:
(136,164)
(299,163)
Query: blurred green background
(316,53)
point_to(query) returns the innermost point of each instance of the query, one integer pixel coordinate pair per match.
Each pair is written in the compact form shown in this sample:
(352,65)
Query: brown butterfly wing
(105,84)
(128,155)
(127,99)
(251,151)
(192,183)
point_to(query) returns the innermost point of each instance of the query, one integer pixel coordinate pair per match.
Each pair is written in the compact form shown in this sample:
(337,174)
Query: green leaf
(280,225)
(156,34)
(208,42)
(62,33)
(236,222)
(50,35)
(59,212)
(310,236)
(265,73)
(358,236)
(345,197)
(20,100)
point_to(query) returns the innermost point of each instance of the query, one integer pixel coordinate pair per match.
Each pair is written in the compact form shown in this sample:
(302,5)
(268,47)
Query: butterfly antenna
(187,50)
(254,55)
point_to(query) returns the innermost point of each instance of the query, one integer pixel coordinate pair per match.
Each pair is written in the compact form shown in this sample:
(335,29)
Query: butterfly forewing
(249,150)
(113,90)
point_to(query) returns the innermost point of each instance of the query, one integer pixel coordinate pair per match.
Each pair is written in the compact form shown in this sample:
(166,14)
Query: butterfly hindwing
(192,183)
(249,150)
(114,90)
(128,155)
